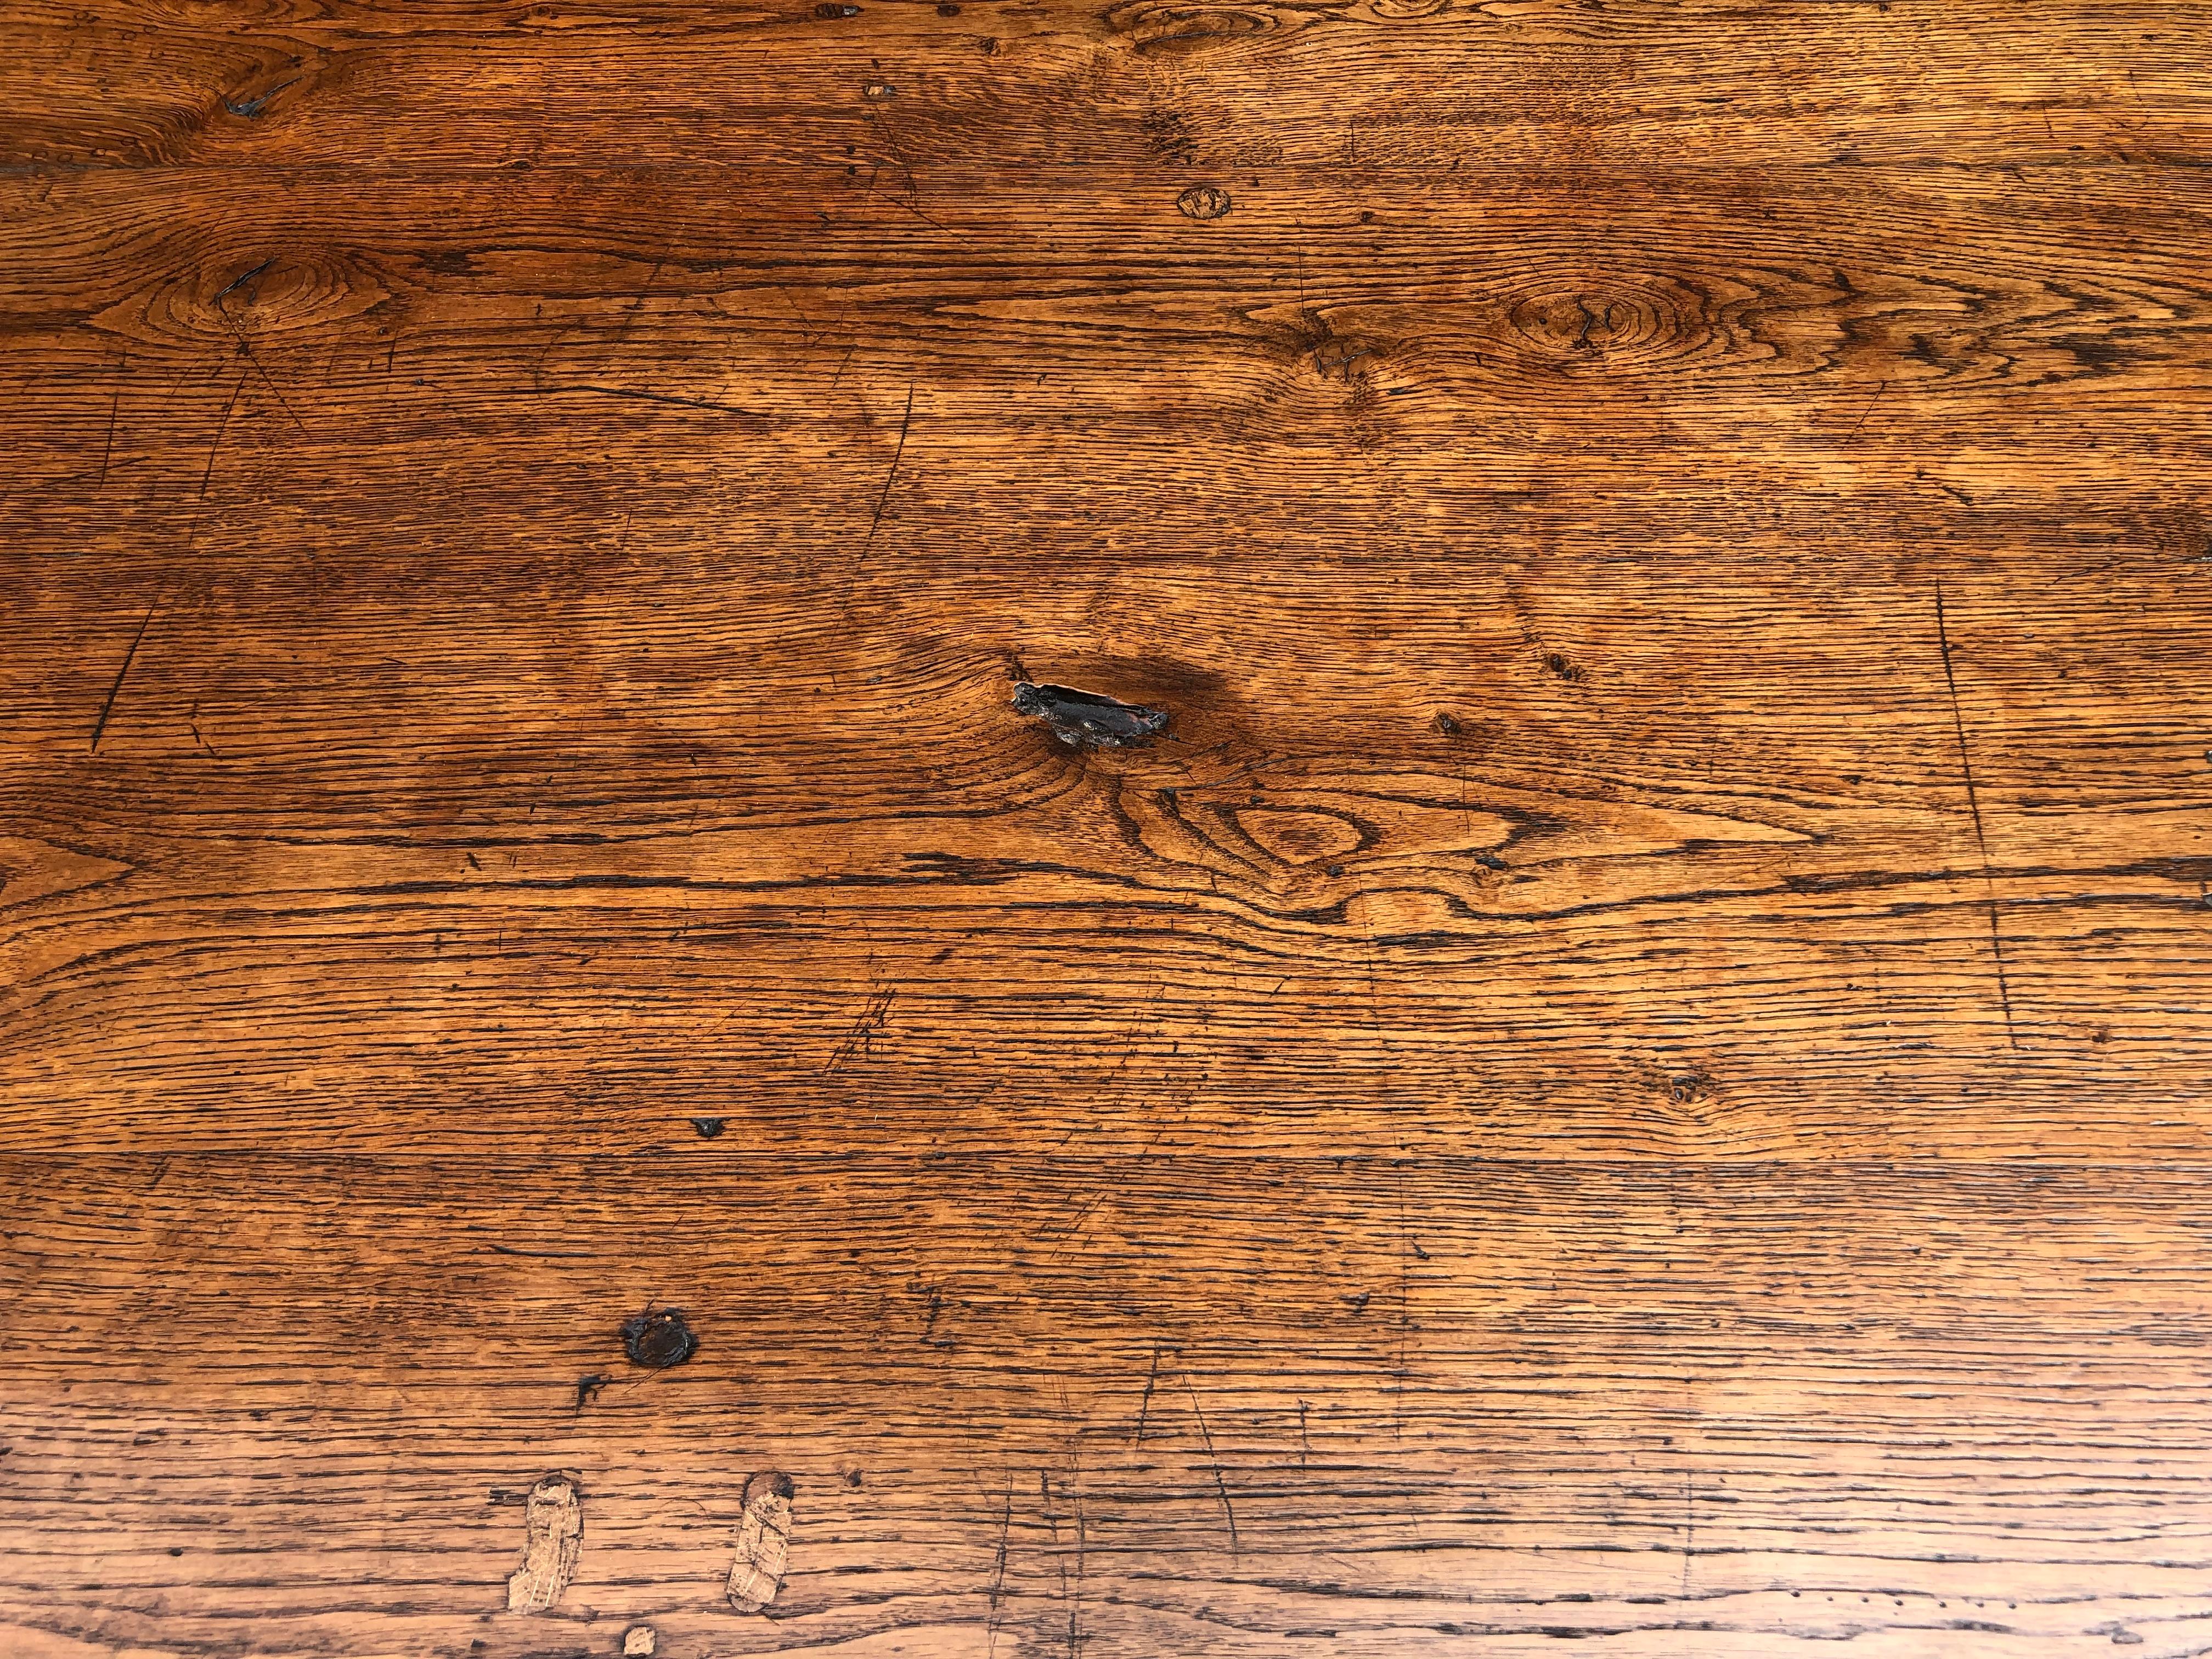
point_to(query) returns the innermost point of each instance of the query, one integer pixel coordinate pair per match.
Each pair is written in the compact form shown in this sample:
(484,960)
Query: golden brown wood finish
(1632,1070)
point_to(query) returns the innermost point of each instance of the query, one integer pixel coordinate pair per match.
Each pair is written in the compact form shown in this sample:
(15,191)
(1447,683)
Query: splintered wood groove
(1462,906)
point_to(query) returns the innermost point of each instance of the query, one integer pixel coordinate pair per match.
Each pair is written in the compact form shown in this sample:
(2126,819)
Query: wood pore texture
(1630,1072)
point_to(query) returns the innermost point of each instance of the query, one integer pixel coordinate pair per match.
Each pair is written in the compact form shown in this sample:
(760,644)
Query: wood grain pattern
(1629,1070)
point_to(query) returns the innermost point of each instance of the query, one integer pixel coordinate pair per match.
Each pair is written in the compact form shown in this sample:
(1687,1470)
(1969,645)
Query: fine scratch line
(129,657)
(1220,1484)
(1974,806)
(1145,1405)
(220,427)
(1868,411)
(998,1571)
(114,407)
(882,501)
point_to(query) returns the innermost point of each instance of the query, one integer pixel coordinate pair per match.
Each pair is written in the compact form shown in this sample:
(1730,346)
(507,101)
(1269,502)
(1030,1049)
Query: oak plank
(1131,87)
(1443,1400)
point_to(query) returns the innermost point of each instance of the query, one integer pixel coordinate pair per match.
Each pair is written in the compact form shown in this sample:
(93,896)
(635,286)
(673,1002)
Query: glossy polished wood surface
(1630,1068)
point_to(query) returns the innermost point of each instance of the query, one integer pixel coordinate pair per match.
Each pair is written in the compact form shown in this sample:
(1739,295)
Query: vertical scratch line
(882,501)
(129,657)
(1145,1405)
(1974,806)
(1075,1607)
(114,407)
(220,427)
(998,1571)
(1868,411)
(1220,1484)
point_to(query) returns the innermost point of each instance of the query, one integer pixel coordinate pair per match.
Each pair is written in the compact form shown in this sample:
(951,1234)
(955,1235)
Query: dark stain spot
(1367,215)
(831,9)
(175,1551)
(448,264)
(1687,1087)
(1336,869)
(1447,725)
(1558,665)
(1204,201)
(250,107)
(657,1341)
(1167,135)
(1342,356)
(853,1477)
(708,1127)
(767,1481)
(1088,721)
(2094,354)
(1358,1303)
(948,9)
(587,1390)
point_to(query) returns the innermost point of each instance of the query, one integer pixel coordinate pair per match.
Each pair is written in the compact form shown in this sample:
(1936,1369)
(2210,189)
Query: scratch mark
(882,500)
(864,1031)
(220,427)
(129,657)
(842,362)
(645,396)
(1868,411)
(245,347)
(1974,806)
(1145,1406)
(543,1256)
(114,407)
(1074,1227)
(1219,1484)
(882,195)
(998,1571)
(1075,1607)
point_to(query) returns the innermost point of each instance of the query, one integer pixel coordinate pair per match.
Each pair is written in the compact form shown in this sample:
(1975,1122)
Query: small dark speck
(1447,725)
(175,1551)
(520,164)
(1336,869)
(587,1390)
(830,8)
(853,1477)
(1367,215)
(1561,666)
(1356,1302)
(708,1127)
(948,9)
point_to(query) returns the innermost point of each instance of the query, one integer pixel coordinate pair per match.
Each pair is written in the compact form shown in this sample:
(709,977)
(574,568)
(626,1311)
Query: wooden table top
(1595,1027)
